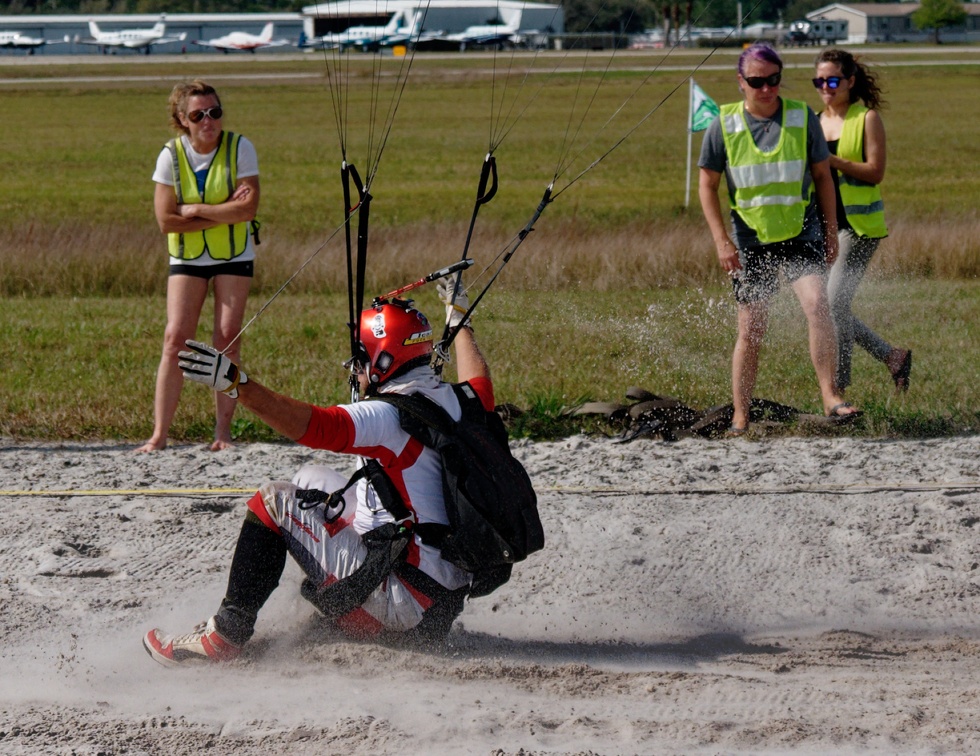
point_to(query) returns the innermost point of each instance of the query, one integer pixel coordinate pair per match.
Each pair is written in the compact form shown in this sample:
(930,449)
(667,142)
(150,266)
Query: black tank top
(841,215)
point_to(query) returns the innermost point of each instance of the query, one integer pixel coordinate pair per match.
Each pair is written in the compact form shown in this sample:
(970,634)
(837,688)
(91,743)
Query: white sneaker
(204,644)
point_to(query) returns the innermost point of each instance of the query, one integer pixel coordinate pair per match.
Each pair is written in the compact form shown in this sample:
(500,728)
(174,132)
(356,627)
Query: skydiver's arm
(470,362)
(288,416)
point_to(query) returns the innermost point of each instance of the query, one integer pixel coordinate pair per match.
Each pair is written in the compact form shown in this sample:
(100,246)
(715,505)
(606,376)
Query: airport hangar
(449,16)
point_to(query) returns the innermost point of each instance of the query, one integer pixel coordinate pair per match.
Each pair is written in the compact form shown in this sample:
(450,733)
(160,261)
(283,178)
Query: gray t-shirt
(765,133)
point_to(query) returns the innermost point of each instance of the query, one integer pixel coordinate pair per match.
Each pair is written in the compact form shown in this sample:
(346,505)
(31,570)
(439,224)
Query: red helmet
(395,336)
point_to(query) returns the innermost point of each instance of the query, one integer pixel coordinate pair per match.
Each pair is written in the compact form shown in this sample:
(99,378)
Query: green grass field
(617,286)
(84,368)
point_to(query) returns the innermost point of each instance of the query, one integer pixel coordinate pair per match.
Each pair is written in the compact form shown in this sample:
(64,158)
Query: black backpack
(490,502)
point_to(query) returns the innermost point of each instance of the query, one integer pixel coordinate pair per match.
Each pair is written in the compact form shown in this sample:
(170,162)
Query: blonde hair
(177,103)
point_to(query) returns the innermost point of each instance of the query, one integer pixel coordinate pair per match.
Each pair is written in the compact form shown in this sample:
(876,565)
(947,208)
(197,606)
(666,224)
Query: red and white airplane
(243,41)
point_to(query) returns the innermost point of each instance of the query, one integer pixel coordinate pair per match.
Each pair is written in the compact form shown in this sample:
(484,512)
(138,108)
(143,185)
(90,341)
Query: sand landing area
(817,595)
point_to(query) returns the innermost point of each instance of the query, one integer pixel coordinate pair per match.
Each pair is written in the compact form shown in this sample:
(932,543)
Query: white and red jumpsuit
(330,552)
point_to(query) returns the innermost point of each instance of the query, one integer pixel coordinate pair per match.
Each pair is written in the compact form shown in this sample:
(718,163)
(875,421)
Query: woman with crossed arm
(207,193)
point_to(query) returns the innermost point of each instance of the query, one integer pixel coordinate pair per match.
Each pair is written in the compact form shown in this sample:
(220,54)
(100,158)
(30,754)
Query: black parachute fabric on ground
(653,416)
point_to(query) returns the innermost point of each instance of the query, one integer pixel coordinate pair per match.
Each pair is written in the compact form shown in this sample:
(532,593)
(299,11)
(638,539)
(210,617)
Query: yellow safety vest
(862,201)
(768,194)
(222,242)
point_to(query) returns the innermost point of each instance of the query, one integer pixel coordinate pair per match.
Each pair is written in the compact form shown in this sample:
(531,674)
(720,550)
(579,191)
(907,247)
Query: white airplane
(487,35)
(363,37)
(131,39)
(243,41)
(372,37)
(18,41)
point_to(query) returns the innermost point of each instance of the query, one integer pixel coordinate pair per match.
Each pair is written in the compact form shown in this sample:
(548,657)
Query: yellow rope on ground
(133,492)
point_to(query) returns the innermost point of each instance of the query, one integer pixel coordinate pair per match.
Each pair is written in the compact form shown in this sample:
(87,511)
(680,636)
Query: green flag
(703,109)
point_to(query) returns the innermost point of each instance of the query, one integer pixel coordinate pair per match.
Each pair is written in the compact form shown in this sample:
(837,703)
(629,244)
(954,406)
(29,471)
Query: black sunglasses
(196,116)
(832,82)
(756,82)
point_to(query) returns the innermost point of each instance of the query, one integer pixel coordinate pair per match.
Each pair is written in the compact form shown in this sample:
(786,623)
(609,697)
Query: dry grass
(79,259)
(940,248)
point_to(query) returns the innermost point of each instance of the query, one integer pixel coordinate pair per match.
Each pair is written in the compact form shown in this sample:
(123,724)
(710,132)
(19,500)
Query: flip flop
(836,417)
(901,376)
(735,432)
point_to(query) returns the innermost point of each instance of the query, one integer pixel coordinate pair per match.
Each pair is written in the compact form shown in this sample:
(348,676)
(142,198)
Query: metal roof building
(892,22)
(448,16)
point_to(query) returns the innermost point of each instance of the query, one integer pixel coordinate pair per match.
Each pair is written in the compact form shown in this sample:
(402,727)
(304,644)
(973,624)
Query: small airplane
(243,40)
(18,41)
(131,39)
(372,38)
(363,37)
(487,35)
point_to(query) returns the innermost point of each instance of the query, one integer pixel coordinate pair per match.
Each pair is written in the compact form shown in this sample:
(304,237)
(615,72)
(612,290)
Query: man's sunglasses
(196,116)
(832,82)
(757,82)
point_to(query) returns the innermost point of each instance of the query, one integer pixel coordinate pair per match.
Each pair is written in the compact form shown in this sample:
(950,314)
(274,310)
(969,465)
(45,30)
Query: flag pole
(690,133)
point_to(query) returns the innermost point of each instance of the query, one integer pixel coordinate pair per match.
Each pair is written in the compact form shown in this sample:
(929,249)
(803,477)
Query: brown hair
(181,93)
(866,87)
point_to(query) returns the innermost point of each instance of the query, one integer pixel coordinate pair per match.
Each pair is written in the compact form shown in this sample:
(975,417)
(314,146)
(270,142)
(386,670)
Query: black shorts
(758,280)
(208,272)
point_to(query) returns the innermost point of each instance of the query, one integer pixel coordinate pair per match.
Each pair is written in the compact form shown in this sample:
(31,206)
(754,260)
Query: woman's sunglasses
(757,82)
(196,116)
(832,82)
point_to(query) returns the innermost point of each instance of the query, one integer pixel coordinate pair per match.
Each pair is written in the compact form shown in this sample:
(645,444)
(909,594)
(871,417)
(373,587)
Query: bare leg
(753,321)
(185,298)
(230,295)
(812,293)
